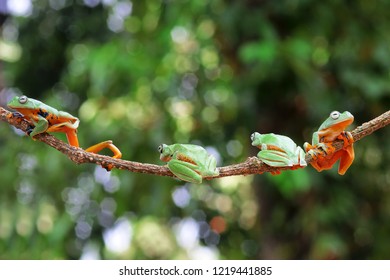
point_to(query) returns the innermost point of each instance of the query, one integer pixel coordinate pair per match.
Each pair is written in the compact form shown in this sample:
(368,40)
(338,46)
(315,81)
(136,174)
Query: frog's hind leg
(71,135)
(346,159)
(185,171)
(274,158)
(212,170)
(300,154)
(106,144)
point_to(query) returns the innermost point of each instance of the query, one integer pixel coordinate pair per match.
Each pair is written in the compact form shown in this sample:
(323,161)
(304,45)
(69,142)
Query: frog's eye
(160,148)
(335,115)
(23,99)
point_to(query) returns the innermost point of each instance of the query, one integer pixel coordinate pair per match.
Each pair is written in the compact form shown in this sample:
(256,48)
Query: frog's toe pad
(29,130)
(17,115)
(303,163)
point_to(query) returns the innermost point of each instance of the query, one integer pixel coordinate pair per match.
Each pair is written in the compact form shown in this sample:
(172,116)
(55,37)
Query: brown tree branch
(251,166)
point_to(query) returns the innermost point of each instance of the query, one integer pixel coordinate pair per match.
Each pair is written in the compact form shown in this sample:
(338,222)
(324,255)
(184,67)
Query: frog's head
(256,139)
(20,102)
(334,125)
(165,152)
(337,121)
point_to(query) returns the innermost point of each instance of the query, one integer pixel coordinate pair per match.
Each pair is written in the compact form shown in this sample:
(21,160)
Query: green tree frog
(48,119)
(321,149)
(278,151)
(188,162)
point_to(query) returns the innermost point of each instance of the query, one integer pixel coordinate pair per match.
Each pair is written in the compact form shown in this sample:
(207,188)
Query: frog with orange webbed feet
(322,151)
(48,119)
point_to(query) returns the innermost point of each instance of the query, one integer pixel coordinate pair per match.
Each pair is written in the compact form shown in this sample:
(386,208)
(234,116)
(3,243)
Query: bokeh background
(148,72)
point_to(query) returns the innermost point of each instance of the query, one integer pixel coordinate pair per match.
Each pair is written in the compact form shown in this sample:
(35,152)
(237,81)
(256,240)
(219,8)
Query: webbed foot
(109,145)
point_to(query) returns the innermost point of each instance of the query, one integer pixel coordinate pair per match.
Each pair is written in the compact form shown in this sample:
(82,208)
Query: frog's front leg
(316,153)
(185,171)
(211,167)
(307,147)
(20,117)
(40,126)
(347,138)
(300,157)
(319,150)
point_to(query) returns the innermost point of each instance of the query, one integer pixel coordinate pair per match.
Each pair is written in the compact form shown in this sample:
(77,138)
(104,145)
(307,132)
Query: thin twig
(250,166)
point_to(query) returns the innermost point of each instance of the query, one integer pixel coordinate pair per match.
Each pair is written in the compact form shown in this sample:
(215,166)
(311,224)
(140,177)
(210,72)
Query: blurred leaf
(264,52)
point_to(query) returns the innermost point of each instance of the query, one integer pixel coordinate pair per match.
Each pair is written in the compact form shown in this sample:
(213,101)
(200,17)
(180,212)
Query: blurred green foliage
(148,72)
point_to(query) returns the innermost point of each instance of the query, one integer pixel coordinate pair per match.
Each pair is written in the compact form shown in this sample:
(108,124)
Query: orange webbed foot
(109,145)
(346,136)
(347,154)
(275,172)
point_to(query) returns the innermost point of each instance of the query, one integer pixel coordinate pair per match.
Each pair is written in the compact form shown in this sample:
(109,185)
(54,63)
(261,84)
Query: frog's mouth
(339,127)
(344,123)
(165,158)
(329,134)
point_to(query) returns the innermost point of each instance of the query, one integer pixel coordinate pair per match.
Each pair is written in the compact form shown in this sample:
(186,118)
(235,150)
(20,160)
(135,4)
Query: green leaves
(263,52)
